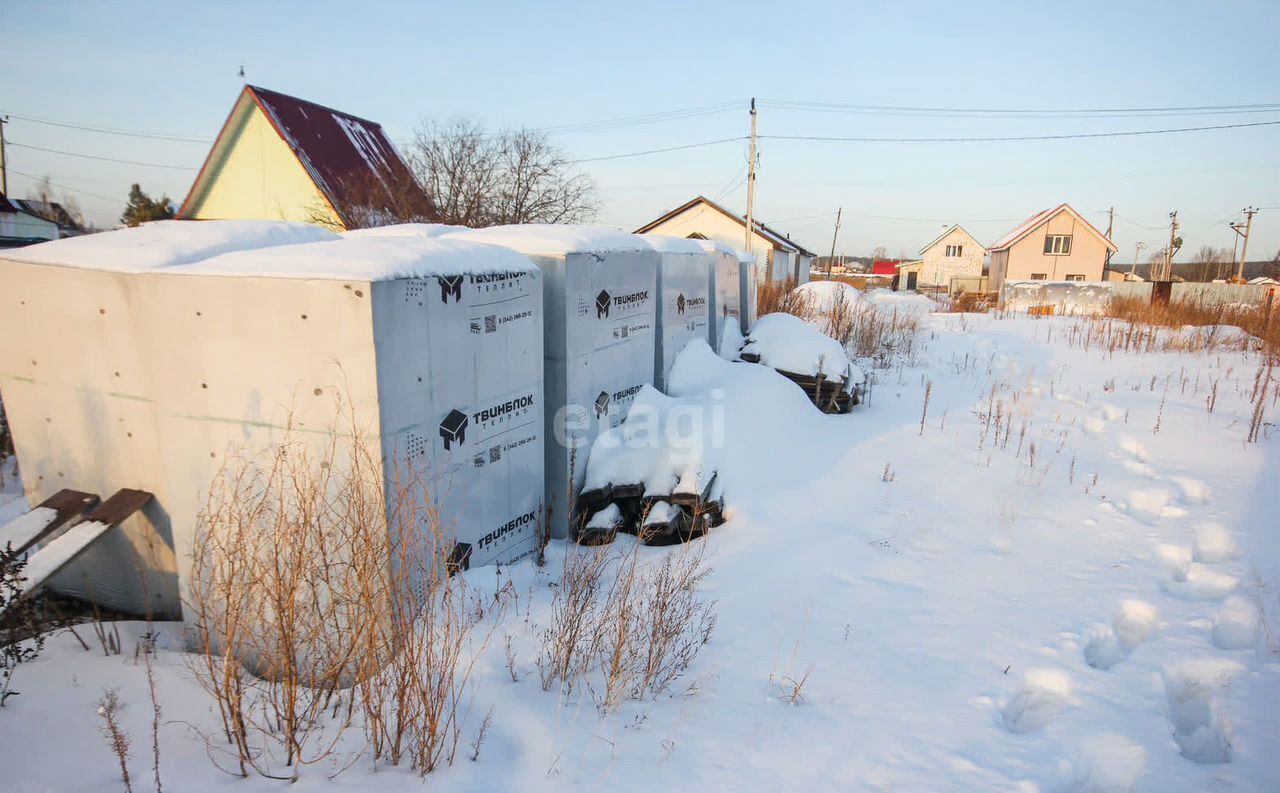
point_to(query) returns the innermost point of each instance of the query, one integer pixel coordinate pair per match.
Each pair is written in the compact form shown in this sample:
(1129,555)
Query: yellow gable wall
(259,178)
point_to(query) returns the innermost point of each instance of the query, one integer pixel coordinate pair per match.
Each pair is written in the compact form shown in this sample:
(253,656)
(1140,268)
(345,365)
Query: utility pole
(1137,251)
(751,179)
(4,160)
(1249,212)
(1174,245)
(832,257)
(1111,224)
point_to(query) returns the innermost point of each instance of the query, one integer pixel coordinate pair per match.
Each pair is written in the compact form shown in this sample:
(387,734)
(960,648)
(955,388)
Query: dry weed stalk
(623,627)
(117,738)
(321,591)
(774,297)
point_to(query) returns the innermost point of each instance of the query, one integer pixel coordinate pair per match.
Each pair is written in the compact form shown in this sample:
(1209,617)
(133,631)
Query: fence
(969,283)
(1091,297)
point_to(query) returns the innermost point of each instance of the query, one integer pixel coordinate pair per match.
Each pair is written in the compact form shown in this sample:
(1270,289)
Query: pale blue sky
(172,68)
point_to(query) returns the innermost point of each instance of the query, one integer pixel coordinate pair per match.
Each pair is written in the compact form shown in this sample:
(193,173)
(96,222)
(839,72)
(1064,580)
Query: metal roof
(349,158)
(1040,218)
(779,240)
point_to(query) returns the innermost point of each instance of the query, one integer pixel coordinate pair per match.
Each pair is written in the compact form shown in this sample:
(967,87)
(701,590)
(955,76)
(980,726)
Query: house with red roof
(1055,244)
(283,158)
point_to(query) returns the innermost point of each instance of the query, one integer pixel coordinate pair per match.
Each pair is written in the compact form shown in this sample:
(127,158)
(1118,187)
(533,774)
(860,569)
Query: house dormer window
(954,251)
(1057,244)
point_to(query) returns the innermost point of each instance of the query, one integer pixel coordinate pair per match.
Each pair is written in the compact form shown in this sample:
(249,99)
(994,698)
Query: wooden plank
(46,518)
(63,549)
(121,505)
(60,552)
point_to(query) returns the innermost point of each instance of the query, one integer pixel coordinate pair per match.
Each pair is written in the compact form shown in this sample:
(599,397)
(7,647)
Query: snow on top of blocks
(716,246)
(366,258)
(667,244)
(167,243)
(556,239)
(276,249)
(428,230)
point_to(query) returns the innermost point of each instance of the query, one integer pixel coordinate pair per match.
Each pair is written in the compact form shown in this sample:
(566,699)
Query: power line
(103,159)
(1013,138)
(994,139)
(68,187)
(112,130)
(659,151)
(904,219)
(1113,112)
(645,118)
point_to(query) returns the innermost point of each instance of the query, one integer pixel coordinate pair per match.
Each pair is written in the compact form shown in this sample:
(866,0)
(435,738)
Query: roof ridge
(317,105)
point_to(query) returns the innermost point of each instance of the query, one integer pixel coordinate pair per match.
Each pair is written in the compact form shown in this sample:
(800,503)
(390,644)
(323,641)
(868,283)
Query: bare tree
(538,185)
(880,252)
(65,211)
(374,198)
(1211,263)
(474,178)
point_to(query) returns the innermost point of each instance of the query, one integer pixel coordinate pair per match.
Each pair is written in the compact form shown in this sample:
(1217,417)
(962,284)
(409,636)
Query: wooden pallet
(830,395)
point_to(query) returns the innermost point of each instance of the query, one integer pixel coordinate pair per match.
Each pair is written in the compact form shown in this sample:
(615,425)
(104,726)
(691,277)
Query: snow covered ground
(1064,575)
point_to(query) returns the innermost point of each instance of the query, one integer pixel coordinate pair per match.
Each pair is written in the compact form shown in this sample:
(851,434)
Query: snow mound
(556,239)
(1108,763)
(1110,644)
(820,297)
(1175,559)
(1193,490)
(1202,583)
(1151,505)
(366,258)
(1235,626)
(652,447)
(1134,622)
(1104,649)
(1043,695)
(731,341)
(901,301)
(789,344)
(1214,543)
(168,243)
(1191,687)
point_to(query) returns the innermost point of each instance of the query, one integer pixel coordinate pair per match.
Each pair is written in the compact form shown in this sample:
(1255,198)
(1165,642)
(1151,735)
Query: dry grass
(1256,321)
(970,303)
(623,628)
(862,329)
(774,297)
(320,598)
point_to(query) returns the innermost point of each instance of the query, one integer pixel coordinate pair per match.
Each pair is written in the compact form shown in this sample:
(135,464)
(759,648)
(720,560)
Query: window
(1057,244)
(954,250)
(1038,276)
(1075,277)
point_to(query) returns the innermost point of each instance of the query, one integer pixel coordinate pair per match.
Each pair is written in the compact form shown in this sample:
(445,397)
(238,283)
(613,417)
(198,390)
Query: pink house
(1054,245)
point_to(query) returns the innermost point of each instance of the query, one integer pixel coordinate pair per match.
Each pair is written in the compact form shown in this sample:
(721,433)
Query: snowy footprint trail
(1110,644)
